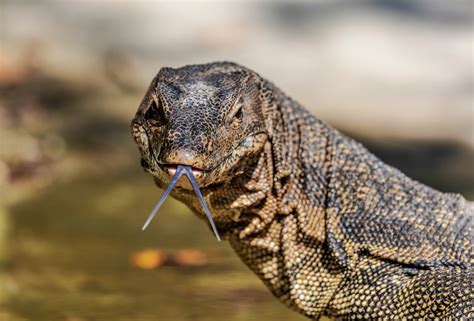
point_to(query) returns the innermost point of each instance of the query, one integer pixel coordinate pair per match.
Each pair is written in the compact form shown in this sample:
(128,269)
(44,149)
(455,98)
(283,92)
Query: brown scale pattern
(328,227)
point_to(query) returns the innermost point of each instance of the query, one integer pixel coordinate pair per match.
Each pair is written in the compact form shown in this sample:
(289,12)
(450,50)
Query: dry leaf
(148,259)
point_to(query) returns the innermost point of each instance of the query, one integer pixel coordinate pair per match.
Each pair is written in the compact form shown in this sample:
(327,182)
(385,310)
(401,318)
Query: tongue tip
(188,170)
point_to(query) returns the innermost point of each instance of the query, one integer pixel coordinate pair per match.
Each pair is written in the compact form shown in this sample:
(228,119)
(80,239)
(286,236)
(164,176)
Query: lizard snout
(182,157)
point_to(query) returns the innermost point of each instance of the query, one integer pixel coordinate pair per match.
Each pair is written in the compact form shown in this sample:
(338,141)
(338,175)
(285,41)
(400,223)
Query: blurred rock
(189,257)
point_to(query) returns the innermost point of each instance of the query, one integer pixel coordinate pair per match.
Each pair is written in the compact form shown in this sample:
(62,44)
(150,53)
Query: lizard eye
(235,116)
(155,113)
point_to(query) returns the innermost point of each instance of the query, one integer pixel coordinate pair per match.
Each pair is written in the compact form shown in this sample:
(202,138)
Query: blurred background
(395,74)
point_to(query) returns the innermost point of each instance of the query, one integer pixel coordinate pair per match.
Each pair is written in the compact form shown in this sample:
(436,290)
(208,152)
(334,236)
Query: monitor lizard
(329,228)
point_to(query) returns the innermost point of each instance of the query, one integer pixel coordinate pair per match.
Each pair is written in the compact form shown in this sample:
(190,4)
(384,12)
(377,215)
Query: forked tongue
(180,170)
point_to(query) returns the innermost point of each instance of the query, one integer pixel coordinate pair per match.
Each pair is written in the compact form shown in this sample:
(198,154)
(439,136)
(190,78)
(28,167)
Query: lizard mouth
(199,175)
(171,169)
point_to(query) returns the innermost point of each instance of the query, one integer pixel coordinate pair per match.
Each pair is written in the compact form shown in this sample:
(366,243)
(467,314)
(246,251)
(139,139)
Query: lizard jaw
(223,171)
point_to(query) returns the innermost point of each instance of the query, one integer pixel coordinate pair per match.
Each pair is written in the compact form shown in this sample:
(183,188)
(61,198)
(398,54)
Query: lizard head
(209,117)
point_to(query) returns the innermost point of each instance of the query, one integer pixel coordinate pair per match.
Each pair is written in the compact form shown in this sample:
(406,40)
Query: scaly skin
(329,228)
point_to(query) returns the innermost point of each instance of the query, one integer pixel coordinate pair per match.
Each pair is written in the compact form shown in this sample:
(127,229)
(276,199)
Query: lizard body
(329,228)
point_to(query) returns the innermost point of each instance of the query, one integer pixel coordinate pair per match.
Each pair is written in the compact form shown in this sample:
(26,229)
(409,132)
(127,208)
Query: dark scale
(329,228)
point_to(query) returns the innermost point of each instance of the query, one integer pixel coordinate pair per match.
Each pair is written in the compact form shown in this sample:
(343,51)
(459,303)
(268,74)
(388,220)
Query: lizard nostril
(144,163)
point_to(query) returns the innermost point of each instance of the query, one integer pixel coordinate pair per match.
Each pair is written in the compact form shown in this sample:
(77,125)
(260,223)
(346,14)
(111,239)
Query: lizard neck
(329,200)
(283,238)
